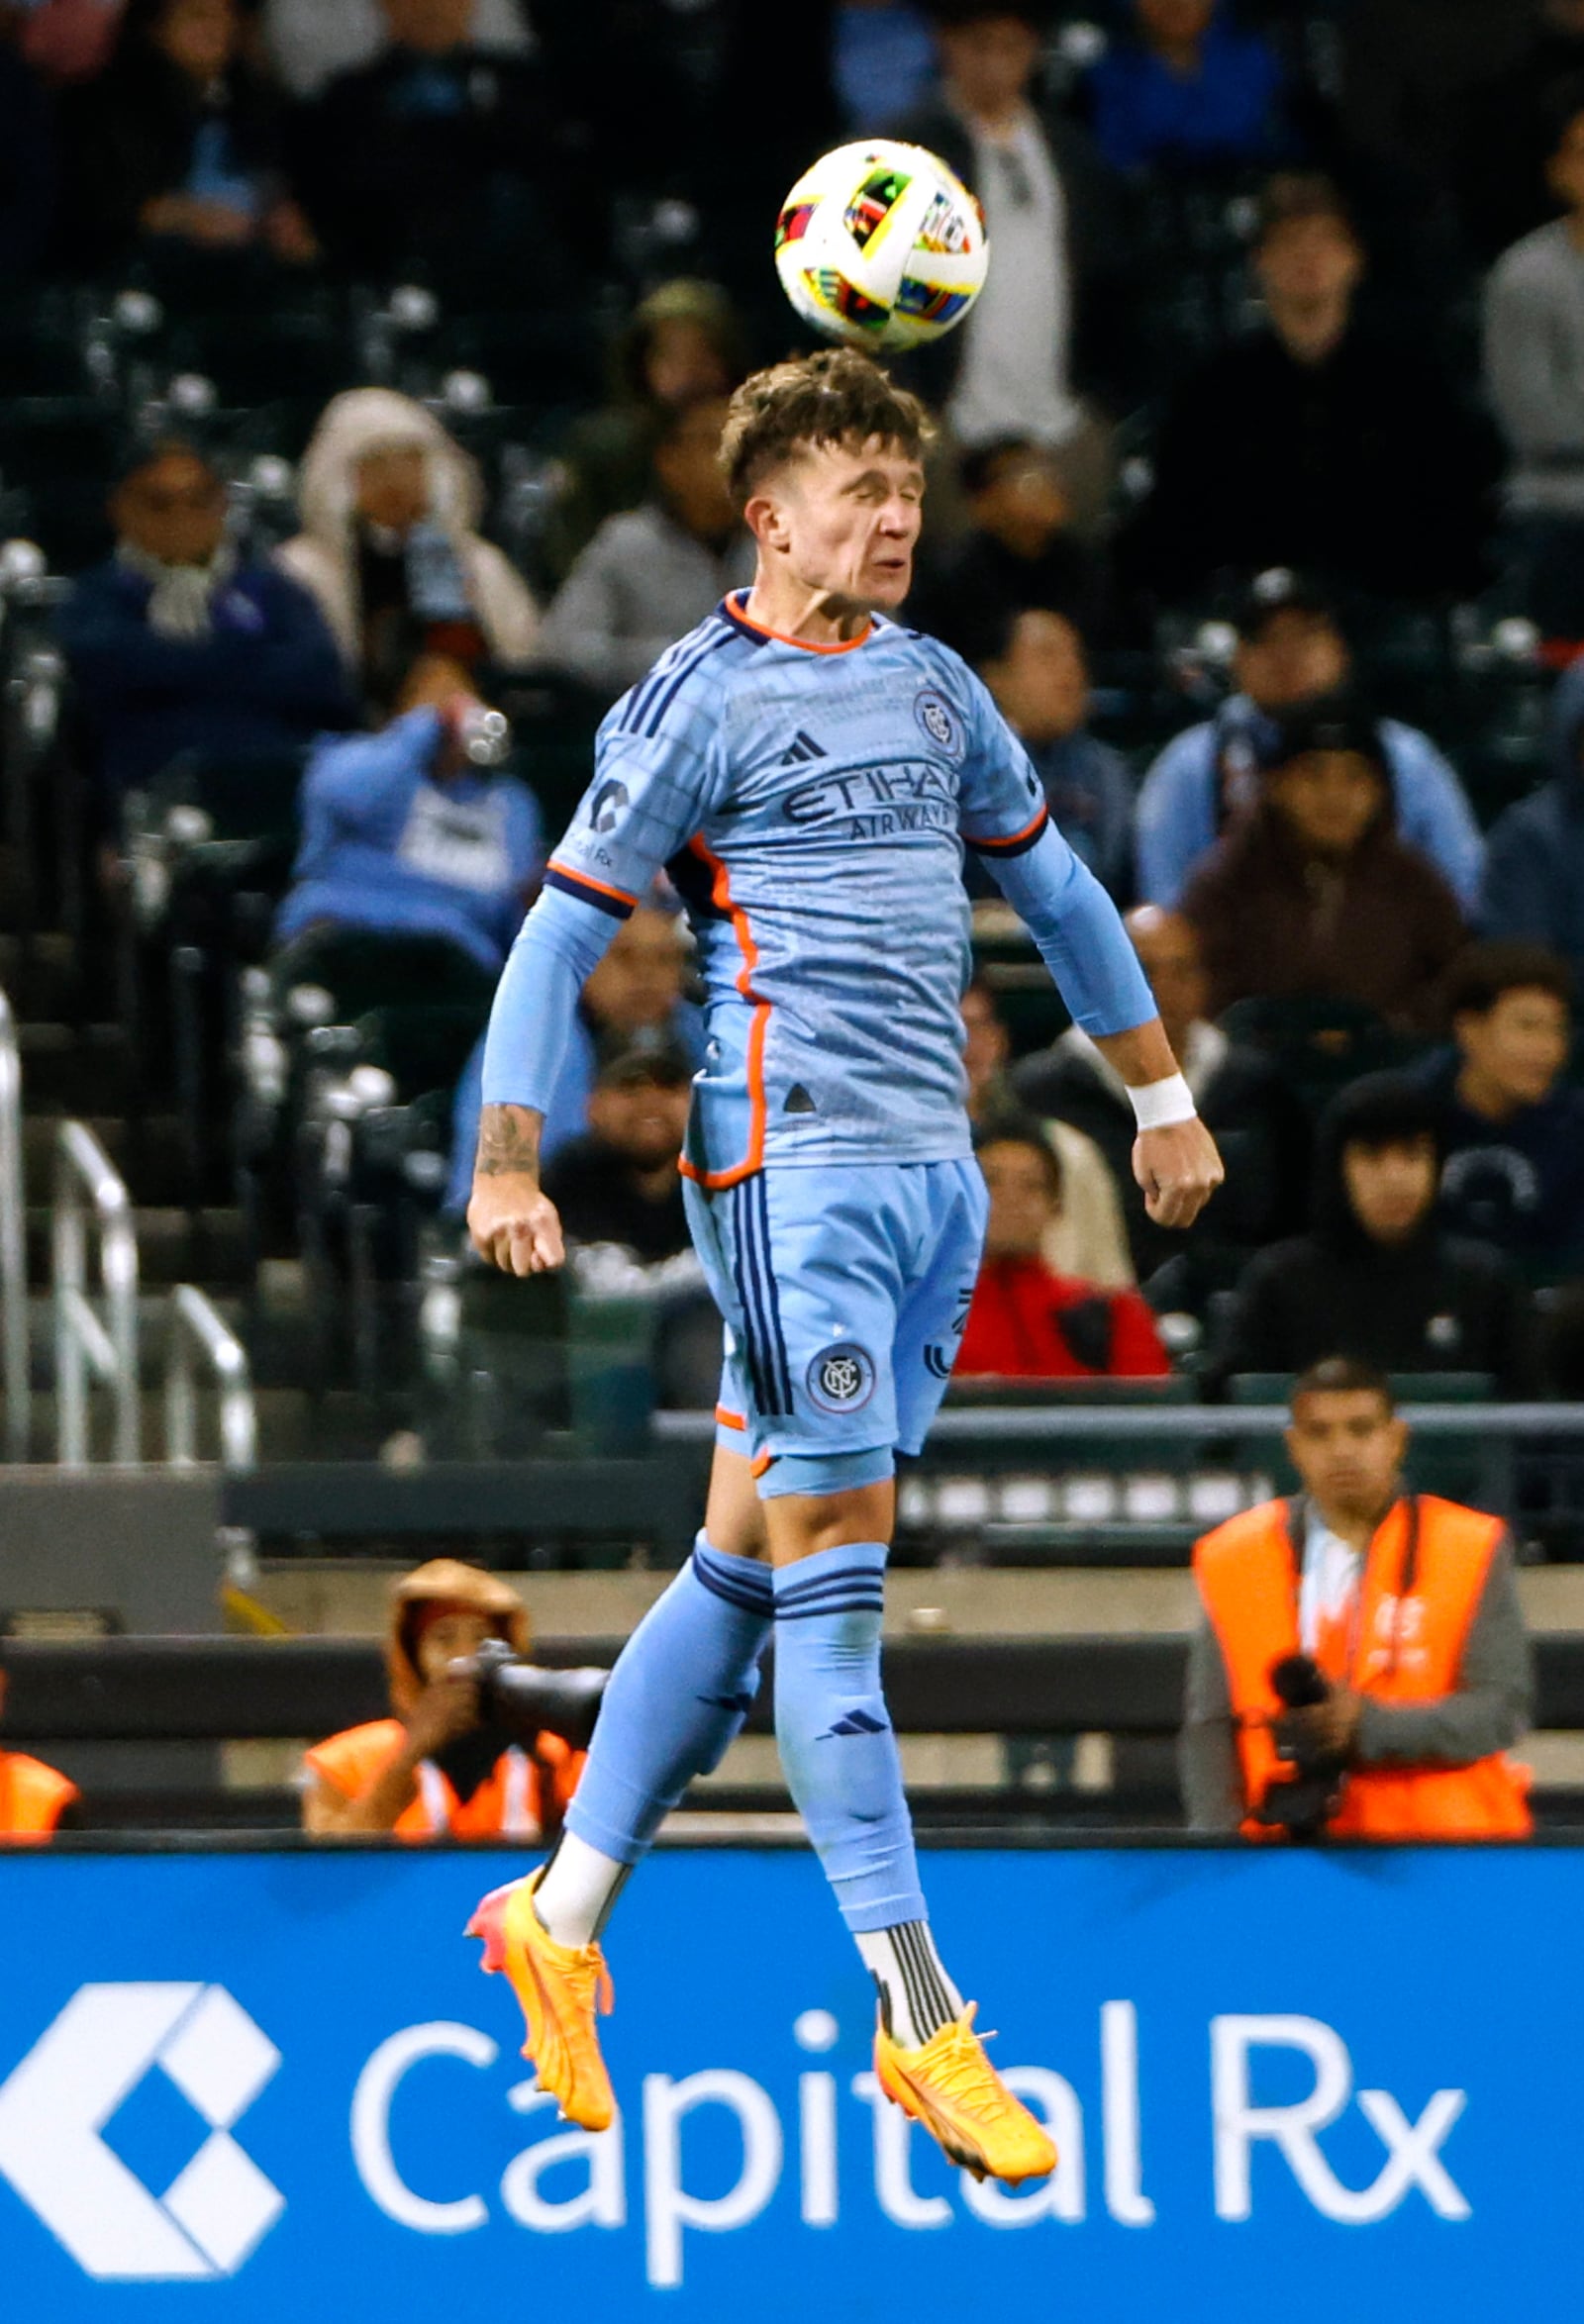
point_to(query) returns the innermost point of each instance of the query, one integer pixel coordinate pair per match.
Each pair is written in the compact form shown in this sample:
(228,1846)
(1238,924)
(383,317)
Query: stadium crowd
(1257,502)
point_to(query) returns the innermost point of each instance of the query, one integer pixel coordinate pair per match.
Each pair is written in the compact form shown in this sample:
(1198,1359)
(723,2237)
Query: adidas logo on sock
(856,1722)
(800,750)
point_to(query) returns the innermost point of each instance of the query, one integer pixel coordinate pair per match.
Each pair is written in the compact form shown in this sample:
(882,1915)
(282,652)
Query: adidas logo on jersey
(800,750)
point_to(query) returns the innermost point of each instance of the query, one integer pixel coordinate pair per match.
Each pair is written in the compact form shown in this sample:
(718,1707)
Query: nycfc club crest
(840,1379)
(939,724)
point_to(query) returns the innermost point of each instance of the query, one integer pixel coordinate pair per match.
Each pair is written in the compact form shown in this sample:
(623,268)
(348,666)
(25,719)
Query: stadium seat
(1318,1046)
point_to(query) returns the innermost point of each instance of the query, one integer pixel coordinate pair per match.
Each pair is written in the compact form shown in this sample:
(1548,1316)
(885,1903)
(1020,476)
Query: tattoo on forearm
(508,1141)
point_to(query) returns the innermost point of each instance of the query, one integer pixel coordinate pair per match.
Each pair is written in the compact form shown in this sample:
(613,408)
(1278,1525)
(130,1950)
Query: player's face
(846,518)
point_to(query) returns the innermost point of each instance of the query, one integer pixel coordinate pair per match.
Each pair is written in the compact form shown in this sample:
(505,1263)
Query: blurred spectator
(650,575)
(35,1800)
(1291,649)
(311,42)
(1258,1125)
(882,61)
(179,643)
(1511,1130)
(1086,1237)
(1029,1322)
(447,156)
(1534,888)
(620,1183)
(1185,88)
(1376,1278)
(1034,664)
(1312,891)
(69,40)
(637,989)
(1011,368)
(1314,441)
(177,142)
(391,549)
(1535,377)
(684,343)
(437,1769)
(1509,126)
(1019,552)
(404,835)
(29,169)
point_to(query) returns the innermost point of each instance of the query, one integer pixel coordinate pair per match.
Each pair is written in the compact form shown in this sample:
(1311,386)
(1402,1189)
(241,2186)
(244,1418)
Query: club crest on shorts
(840,1379)
(939,724)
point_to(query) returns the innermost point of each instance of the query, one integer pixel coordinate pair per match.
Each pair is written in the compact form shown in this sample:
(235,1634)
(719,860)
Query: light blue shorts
(844,1291)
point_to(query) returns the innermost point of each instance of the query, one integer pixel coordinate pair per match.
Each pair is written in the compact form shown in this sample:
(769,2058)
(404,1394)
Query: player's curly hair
(838,396)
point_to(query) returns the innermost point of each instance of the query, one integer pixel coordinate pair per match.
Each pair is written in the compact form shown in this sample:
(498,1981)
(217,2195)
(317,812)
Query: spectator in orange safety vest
(439,1767)
(1361,1667)
(35,1800)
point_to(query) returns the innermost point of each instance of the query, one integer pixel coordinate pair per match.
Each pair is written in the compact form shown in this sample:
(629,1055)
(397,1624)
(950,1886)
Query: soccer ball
(882,246)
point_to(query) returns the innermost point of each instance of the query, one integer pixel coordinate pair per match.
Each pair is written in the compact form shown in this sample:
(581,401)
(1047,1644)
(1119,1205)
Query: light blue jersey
(811,804)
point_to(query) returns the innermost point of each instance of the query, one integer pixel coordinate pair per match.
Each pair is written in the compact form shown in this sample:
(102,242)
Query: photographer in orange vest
(1361,1668)
(35,1800)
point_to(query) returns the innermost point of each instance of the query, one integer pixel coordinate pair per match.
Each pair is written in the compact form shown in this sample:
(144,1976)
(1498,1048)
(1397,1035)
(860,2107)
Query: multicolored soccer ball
(882,246)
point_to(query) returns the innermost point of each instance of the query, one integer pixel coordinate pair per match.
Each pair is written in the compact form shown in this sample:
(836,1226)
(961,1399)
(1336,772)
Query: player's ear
(765,519)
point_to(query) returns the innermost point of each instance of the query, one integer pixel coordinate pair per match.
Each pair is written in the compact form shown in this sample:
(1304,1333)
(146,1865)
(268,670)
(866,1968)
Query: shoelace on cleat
(966,2075)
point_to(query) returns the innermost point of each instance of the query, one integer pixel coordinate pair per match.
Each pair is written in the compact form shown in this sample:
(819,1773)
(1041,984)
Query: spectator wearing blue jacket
(1291,650)
(1534,888)
(403,835)
(179,643)
(1185,90)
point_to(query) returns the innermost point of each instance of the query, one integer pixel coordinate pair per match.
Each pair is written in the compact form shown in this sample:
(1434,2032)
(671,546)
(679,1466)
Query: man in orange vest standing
(35,1800)
(1361,1668)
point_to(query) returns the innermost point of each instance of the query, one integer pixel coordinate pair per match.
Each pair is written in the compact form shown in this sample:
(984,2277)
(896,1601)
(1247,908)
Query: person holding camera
(453,1761)
(1361,1668)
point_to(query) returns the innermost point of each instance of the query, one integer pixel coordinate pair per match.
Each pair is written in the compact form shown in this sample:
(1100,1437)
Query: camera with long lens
(521,1698)
(1303,1805)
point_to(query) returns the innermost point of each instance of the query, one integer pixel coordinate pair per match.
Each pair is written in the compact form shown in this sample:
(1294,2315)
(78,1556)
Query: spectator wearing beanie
(683,346)
(1534,886)
(1312,893)
(650,575)
(1292,650)
(1376,1278)
(619,1183)
(1027,1322)
(179,643)
(1314,441)
(1511,1130)
(391,549)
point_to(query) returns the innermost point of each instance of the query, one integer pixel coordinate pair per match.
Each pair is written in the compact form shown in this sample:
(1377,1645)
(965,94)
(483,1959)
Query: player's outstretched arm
(512,1223)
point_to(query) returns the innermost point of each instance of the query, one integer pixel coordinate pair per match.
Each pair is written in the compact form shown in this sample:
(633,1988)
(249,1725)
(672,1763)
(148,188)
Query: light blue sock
(838,1753)
(679,1694)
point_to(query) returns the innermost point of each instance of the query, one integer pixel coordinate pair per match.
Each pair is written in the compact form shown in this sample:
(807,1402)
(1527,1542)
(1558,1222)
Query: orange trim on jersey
(736,607)
(720,897)
(1011,838)
(725,1419)
(760,1465)
(566,872)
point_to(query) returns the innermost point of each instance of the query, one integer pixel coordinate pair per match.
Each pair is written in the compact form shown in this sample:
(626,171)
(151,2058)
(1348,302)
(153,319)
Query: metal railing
(85,1181)
(15,1362)
(198,1331)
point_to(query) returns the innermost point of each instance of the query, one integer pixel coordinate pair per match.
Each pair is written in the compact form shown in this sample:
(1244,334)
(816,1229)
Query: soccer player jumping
(809,773)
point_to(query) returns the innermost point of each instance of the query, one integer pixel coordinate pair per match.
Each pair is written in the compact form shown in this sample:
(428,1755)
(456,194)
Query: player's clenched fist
(1178,1169)
(515,1227)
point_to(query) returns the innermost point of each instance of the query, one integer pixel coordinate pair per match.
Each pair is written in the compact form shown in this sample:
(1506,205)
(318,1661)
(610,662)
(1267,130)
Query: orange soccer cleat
(951,2087)
(561,1987)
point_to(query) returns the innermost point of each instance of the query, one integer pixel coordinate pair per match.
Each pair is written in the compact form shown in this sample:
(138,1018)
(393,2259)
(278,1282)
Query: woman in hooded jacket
(390,546)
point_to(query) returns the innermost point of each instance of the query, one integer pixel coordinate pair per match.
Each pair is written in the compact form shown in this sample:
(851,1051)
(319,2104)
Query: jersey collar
(732,608)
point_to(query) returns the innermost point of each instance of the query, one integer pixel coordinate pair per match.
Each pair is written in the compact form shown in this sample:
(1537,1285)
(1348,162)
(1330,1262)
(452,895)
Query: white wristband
(1159,1104)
